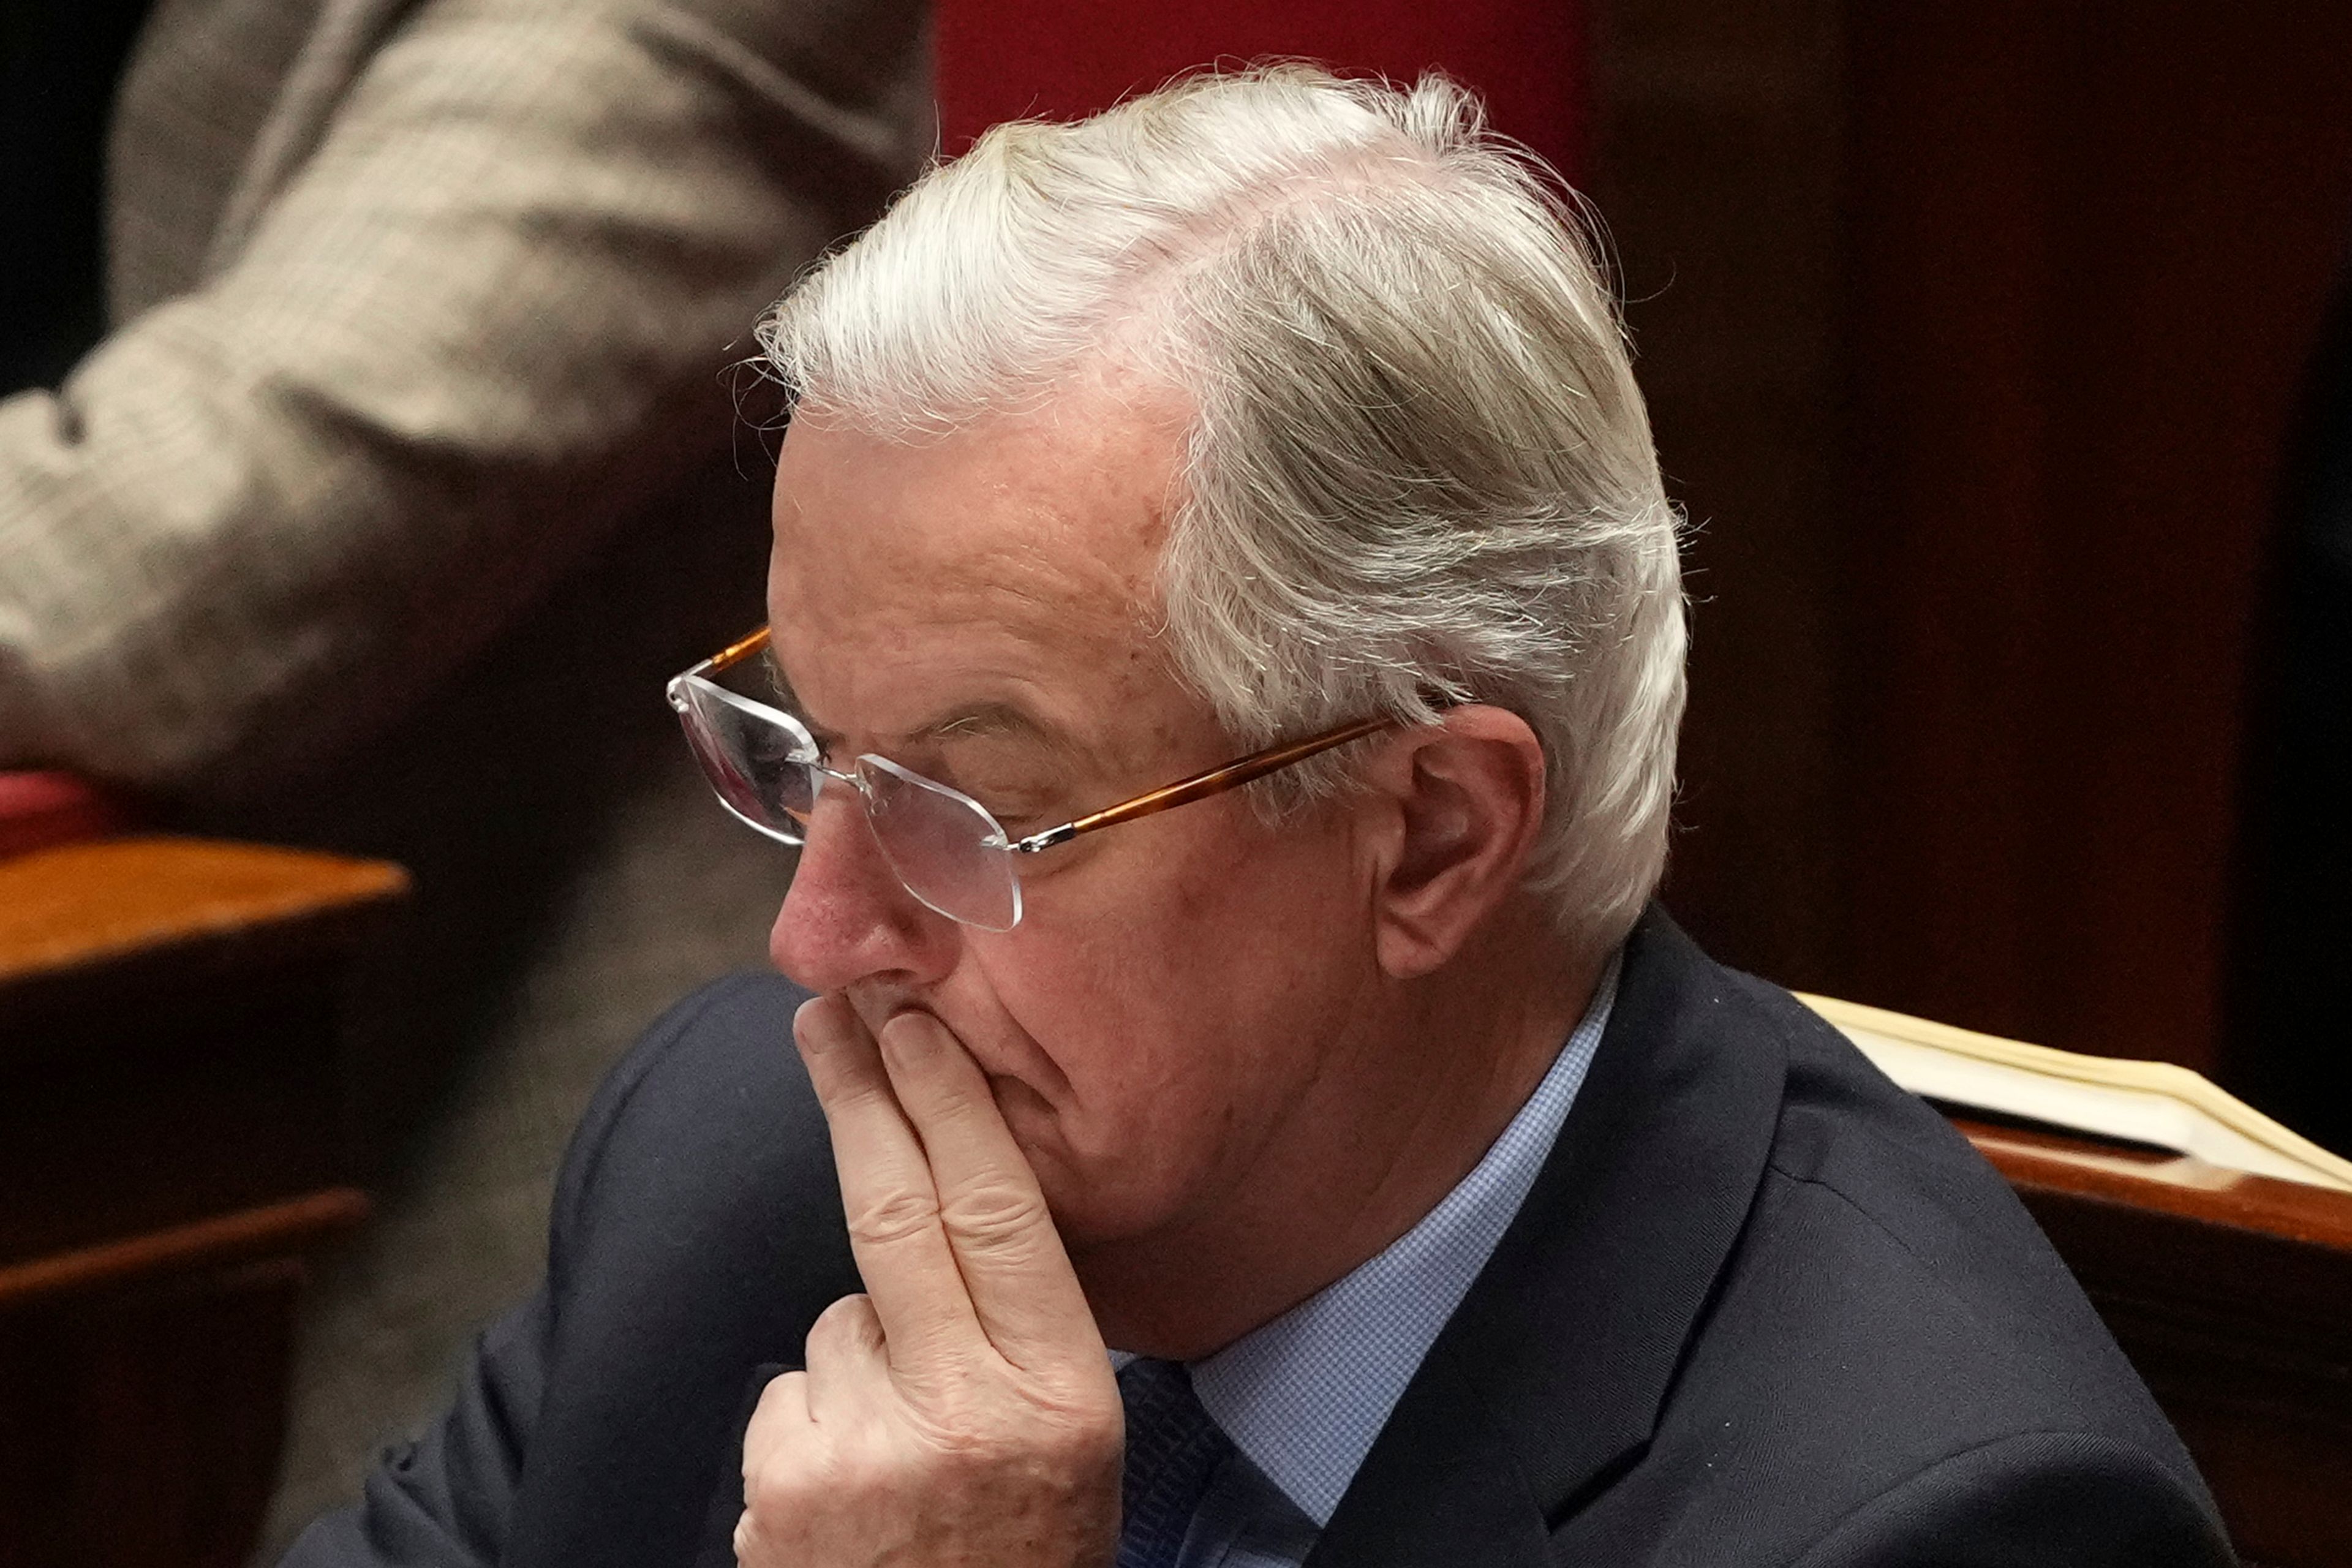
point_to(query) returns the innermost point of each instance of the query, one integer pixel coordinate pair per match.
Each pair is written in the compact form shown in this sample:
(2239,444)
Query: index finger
(1022,1288)
(888,1194)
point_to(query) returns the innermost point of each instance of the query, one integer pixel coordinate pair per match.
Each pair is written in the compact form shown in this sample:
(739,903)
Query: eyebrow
(975,720)
(989,719)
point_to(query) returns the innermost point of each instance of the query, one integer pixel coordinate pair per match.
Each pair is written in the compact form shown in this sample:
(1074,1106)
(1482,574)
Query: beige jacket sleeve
(485,318)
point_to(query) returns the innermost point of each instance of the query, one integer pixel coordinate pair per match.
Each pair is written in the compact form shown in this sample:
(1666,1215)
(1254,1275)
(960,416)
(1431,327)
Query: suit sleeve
(447,1499)
(2064,1499)
(484,318)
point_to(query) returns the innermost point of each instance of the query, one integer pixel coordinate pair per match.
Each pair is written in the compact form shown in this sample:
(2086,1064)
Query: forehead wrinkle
(1025,613)
(1039,575)
(975,716)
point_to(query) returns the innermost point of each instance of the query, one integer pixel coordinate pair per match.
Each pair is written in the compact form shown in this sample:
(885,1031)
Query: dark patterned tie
(1173,1447)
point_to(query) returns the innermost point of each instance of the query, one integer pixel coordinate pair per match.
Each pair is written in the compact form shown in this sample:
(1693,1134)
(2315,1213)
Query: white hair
(1419,471)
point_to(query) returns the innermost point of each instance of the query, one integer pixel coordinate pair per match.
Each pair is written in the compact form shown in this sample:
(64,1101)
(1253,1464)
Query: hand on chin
(963,1409)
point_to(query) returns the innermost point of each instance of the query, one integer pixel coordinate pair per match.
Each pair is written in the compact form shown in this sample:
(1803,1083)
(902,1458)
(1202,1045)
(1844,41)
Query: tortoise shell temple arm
(1216,780)
(734,654)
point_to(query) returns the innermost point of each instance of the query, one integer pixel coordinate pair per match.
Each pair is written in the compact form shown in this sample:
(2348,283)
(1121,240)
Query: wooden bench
(171,1149)
(2232,1294)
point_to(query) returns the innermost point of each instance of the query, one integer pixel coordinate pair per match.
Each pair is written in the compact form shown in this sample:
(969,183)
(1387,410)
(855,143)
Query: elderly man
(1225,655)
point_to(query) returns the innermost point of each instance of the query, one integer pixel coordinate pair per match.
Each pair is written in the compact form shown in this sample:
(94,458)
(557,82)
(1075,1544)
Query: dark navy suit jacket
(1760,1308)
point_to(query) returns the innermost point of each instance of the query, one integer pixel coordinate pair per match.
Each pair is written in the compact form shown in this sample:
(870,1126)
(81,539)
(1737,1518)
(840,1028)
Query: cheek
(1184,993)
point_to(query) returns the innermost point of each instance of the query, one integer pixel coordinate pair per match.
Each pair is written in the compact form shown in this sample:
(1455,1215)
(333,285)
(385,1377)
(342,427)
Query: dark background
(1974,334)
(57,66)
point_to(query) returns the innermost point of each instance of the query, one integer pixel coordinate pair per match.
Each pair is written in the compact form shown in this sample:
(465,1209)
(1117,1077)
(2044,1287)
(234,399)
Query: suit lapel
(1549,1380)
(1443,1485)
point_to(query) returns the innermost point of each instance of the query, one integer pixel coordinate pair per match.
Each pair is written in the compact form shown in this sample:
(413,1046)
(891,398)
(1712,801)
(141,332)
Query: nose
(846,917)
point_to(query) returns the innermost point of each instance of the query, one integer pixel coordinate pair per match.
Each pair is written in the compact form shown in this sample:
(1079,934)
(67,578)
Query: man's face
(979,608)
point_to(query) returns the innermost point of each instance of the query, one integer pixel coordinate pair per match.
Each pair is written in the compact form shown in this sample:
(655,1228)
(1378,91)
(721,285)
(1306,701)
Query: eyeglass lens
(944,846)
(759,768)
(948,851)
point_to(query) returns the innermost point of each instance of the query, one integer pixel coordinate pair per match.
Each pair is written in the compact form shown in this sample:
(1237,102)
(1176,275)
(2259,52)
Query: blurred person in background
(408,468)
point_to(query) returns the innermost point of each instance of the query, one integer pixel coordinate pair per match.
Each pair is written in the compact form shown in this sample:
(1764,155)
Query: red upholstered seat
(38,809)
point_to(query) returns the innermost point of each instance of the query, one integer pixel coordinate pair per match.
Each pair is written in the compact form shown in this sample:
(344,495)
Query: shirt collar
(1304,1396)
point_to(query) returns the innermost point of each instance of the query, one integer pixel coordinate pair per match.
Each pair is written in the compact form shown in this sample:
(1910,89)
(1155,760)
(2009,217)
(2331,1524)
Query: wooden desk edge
(272,1230)
(260,897)
(2173,1184)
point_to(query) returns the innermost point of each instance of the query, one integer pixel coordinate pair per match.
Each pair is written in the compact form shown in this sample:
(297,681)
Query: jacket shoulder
(2051,1497)
(1890,1329)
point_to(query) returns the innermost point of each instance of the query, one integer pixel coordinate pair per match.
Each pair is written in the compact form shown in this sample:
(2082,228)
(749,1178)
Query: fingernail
(911,1037)
(817,1022)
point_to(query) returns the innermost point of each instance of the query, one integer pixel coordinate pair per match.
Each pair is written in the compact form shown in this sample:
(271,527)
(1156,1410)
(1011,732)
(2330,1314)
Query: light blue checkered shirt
(1304,1396)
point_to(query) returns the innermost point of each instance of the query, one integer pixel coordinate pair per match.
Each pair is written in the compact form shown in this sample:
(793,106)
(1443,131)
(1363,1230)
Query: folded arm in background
(465,305)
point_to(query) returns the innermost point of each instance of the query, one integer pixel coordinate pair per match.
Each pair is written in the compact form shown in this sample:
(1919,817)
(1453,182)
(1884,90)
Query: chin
(1087,1199)
(1098,1198)
(1100,1208)
(1076,1203)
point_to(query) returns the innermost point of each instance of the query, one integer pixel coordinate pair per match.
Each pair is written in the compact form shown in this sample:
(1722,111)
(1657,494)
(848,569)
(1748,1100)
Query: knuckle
(958,1423)
(894,1218)
(781,1408)
(975,1425)
(857,1091)
(754,1548)
(1086,1433)
(948,1416)
(775,1491)
(1000,1217)
(849,1324)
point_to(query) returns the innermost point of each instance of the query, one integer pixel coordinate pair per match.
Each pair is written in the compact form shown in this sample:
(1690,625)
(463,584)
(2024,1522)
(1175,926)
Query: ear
(1466,795)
